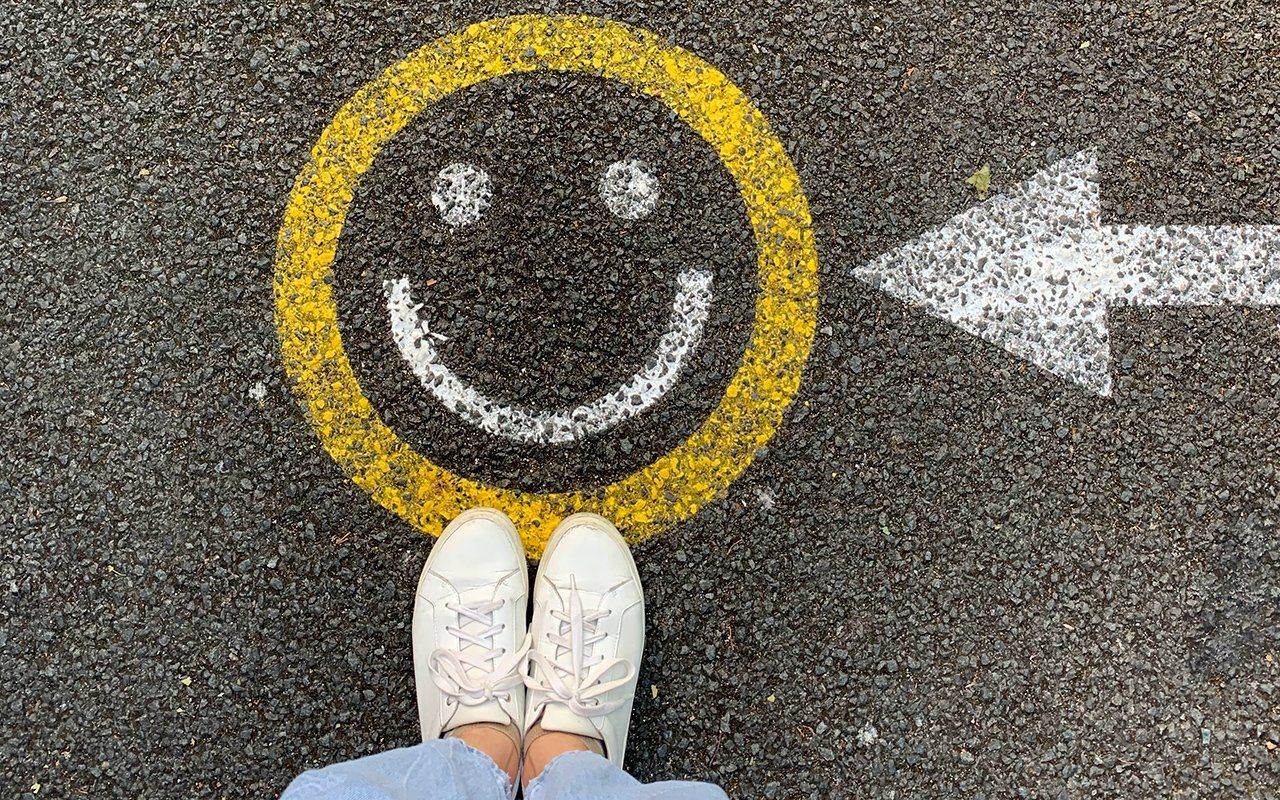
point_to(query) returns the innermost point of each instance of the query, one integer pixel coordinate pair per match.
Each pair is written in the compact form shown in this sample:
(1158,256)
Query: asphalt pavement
(949,574)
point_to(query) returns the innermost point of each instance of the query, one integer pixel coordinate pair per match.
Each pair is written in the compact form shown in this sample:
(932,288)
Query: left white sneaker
(469,639)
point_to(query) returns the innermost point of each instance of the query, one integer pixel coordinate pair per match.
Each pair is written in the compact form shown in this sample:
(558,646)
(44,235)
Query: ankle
(499,742)
(541,747)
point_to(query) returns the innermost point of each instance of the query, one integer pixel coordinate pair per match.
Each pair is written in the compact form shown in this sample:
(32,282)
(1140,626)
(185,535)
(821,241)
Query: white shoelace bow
(449,668)
(578,680)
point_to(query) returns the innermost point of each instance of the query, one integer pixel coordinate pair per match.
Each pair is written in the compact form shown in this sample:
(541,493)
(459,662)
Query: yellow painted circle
(654,497)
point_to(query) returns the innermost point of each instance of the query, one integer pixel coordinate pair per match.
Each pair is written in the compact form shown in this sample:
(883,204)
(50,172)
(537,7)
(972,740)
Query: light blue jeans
(447,769)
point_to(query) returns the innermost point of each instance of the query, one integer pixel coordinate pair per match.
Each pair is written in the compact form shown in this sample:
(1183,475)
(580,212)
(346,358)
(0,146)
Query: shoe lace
(469,676)
(575,676)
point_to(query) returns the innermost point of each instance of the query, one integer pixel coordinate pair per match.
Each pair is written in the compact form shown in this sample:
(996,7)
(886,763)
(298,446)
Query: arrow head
(1018,271)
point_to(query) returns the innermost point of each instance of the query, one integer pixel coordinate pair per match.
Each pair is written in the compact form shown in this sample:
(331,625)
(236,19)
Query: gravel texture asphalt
(949,575)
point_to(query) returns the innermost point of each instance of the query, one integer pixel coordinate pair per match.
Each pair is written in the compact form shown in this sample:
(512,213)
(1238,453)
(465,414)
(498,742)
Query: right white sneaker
(588,634)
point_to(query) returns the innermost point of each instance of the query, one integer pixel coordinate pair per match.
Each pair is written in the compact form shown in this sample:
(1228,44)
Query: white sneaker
(469,640)
(588,634)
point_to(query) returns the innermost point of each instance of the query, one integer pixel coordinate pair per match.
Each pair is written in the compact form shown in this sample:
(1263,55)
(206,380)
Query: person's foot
(588,636)
(469,639)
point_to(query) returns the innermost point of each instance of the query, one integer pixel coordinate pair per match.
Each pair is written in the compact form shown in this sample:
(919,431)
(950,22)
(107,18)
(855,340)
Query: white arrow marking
(1034,270)
(412,335)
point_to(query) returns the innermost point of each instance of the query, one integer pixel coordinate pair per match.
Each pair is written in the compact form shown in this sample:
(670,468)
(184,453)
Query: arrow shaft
(1191,265)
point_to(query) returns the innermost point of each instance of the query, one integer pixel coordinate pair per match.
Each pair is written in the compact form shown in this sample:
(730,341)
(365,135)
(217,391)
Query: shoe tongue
(477,587)
(478,591)
(558,718)
(481,592)
(484,712)
(472,596)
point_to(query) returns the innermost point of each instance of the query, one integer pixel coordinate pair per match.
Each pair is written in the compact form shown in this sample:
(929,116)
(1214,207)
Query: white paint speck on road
(1034,270)
(413,337)
(868,735)
(766,497)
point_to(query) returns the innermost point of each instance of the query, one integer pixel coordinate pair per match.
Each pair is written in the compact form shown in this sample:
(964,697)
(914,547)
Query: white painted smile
(630,191)
(415,340)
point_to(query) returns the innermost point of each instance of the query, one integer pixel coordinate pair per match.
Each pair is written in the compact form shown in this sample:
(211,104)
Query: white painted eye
(461,194)
(629,189)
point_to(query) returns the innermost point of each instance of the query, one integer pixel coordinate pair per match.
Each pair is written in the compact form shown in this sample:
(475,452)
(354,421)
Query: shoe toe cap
(596,557)
(476,547)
